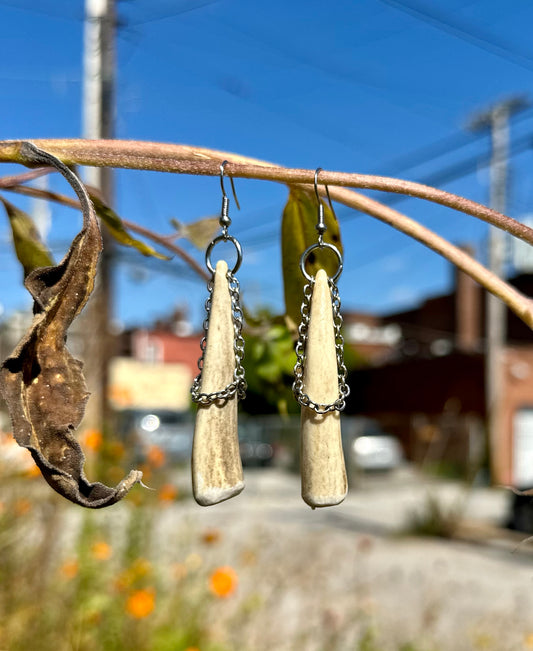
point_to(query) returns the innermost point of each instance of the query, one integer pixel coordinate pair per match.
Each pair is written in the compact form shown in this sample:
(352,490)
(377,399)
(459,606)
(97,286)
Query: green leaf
(298,232)
(269,364)
(200,232)
(30,250)
(117,228)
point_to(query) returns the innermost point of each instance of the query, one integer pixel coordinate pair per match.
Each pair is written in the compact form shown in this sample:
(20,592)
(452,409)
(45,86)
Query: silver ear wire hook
(321,228)
(225,220)
(321,225)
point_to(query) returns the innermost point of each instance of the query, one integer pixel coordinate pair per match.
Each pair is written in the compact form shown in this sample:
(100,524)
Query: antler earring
(216,463)
(320,379)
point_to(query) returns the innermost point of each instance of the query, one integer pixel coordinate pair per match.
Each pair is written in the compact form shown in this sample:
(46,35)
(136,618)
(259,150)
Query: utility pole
(98,122)
(496,118)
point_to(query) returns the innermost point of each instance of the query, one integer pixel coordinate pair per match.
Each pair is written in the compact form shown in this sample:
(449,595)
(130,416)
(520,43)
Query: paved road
(342,577)
(382,504)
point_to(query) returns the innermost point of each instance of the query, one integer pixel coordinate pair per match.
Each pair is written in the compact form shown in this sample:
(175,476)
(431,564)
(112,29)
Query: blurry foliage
(29,249)
(298,232)
(199,233)
(116,227)
(435,518)
(269,363)
(92,587)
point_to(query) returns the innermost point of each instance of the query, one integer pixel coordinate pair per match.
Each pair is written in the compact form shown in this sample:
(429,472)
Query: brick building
(426,381)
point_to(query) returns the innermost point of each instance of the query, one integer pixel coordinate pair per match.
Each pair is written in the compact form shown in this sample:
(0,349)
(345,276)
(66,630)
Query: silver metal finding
(225,222)
(321,224)
(223,238)
(298,385)
(322,246)
(238,385)
(321,228)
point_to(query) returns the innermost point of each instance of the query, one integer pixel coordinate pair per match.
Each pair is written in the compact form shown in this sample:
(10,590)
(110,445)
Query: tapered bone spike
(216,462)
(324,480)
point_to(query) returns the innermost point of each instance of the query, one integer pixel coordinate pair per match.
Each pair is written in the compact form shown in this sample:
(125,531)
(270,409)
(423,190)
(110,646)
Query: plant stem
(184,159)
(515,300)
(196,160)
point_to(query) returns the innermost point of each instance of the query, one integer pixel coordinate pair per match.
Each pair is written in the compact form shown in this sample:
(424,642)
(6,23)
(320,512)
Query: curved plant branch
(515,300)
(196,160)
(184,159)
(12,184)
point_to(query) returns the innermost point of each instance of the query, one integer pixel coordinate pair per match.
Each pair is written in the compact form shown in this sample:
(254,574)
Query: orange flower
(70,568)
(223,581)
(155,456)
(211,536)
(33,471)
(192,648)
(93,439)
(141,603)
(167,493)
(101,550)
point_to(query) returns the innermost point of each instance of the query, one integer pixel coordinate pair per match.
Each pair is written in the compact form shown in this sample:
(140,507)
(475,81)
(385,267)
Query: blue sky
(371,86)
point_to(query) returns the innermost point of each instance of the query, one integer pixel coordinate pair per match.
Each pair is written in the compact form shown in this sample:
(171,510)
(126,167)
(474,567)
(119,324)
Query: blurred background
(441,378)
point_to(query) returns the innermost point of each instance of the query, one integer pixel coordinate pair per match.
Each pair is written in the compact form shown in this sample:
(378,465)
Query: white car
(171,431)
(375,450)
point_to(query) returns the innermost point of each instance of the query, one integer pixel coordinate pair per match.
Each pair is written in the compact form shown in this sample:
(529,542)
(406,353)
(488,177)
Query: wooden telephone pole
(496,118)
(98,122)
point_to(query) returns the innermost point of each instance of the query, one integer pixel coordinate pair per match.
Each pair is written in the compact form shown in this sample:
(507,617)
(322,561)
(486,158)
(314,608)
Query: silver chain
(298,384)
(238,385)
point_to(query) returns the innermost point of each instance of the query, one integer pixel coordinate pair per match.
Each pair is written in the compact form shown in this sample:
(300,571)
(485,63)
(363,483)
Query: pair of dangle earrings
(319,372)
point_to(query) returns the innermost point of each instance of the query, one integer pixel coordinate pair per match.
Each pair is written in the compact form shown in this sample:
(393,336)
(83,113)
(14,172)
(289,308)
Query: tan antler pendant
(323,471)
(216,463)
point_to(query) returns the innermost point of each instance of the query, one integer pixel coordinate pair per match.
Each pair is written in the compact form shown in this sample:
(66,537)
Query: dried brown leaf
(42,384)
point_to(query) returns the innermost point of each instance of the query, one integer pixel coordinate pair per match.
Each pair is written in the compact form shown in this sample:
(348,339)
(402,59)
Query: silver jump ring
(223,238)
(323,245)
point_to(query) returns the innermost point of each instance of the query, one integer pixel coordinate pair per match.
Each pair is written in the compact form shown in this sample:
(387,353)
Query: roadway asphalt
(350,577)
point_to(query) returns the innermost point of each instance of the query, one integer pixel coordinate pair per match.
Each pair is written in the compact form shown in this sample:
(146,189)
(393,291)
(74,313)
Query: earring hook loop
(224,195)
(321,228)
(225,222)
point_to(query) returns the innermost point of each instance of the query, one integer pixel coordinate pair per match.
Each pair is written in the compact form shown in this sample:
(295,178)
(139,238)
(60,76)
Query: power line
(429,152)
(191,6)
(461,169)
(446,175)
(441,147)
(164,267)
(37,8)
(477,39)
